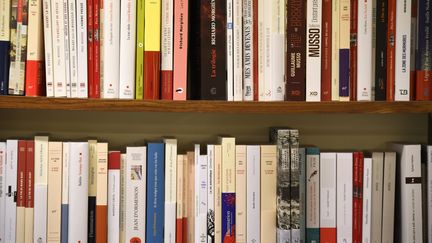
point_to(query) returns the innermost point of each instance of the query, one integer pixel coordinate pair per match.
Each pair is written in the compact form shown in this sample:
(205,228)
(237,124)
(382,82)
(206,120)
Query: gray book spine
(64,222)
(295,186)
(302,166)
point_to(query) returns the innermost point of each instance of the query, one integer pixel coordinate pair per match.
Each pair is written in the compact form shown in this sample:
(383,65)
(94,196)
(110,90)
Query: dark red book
(353,50)
(423,55)
(357,197)
(96,51)
(255,49)
(391,52)
(179,230)
(326,63)
(151,75)
(167,84)
(90,51)
(29,187)
(21,172)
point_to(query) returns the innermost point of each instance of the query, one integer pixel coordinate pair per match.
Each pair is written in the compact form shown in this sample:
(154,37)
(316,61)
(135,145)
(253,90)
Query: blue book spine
(4,67)
(228,217)
(344,64)
(64,222)
(155,192)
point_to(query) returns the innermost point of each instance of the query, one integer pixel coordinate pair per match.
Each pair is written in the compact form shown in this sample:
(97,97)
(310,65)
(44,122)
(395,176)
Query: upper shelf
(43,103)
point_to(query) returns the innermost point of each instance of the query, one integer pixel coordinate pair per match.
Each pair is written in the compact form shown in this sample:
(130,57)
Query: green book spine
(139,83)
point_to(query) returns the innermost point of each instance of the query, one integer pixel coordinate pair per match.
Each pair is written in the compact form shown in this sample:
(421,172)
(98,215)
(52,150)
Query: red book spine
(90,64)
(357,197)
(21,170)
(30,175)
(35,78)
(255,49)
(151,75)
(167,84)
(179,230)
(360,198)
(185,229)
(96,51)
(326,63)
(391,52)
(353,50)
(328,235)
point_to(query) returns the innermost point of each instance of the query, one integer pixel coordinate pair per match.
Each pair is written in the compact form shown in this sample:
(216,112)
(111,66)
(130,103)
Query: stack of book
(82,192)
(235,50)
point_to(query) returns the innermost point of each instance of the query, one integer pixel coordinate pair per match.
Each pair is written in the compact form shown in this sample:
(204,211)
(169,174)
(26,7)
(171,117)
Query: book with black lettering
(208,50)
(296,51)
(313,50)
(381,50)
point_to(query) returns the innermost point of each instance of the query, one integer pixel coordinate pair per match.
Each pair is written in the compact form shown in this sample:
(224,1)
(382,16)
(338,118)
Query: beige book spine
(335,51)
(240,194)
(228,164)
(191,198)
(218,193)
(92,168)
(5,6)
(268,193)
(102,174)
(35,51)
(180,181)
(54,191)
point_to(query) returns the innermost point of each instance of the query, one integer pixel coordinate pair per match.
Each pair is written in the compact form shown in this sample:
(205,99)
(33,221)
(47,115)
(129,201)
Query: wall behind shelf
(328,131)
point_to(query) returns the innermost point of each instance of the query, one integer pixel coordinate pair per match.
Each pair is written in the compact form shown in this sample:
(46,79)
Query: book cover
(381,50)
(388,198)
(268,193)
(180,45)
(35,78)
(10,215)
(238,50)
(253,193)
(328,196)
(367,199)
(127,49)
(73,44)
(82,49)
(240,189)
(40,187)
(139,56)
(166,51)
(155,192)
(78,191)
(391,51)
(326,60)
(170,165)
(55,153)
(357,196)
(113,197)
(58,47)
(312,194)
(248,46)
(230,49)
(135,206)
(302,192)
(21,192)
(354,20)
(202,201)
(2,189)
(65,194)
(152,48)
(96,8)
(18,46)
(180,179)
(208,55)
(423,60)
(377,195)
(101,192)
(4,46)
(335,51)
(211,193)
(92,189)
(364,48)
(344,197)
(344,50)
(218,193)
(313,50)
(90,48)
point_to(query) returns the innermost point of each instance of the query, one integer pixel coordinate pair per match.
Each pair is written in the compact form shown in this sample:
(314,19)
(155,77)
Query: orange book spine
(101,223)
(179,230)
(328,235)
(391,52)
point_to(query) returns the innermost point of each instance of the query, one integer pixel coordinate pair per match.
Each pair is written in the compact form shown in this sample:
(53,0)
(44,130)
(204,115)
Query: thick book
(218,193)
(344,50)
(326,59)
(313,50)
(423,60)
(139,55)
(40,188)
(101,192)
(73,43)
(29,188)
(180,179)
(21,192)
(55,155)
(90,48)
(35,78)
(92,189)
(113,197)
(240,188)
(2,189)
(335,51)
(367,200)
(253,193)
(389,187)
(238,50)
(248,54)
(357,196)
(391,51)
(377,195)
(230,49)
(211,193)
(202,200)
(82,50)
(155,192)
(268,193)
(344,198)
(364,48)
(127,49)
(302,192)
(166,51)
(354,20)
(10,215)
(58,48)
(327,190)
(4,46)
(65,194)
(170,190)
(312,194)
(208,56)
(78,191)
(381,50)
(180,49)
(152,47)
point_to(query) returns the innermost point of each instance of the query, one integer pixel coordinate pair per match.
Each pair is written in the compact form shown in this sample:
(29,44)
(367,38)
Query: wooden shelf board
(379,107)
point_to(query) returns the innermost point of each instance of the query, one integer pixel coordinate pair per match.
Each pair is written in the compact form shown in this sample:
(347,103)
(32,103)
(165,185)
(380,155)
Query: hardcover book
(170,190)
(152,47)
(10,215)
(101,191)
(211,193)
(328,196)
(54,191)
(381,50)
(344,198)
(2,189)
(127,49)
(92,190)
(167,36)
(344,50)
(313,50)
(21,192)
(4,46)
(253,193)
(181,40)
(41,188)
(240,188)
(389,185)
(65,194)
(312,195)
(268,193)
(113,197)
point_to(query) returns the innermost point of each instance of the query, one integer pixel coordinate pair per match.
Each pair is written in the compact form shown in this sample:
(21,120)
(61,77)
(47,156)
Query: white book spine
(111,49)
(364,48)
(135,193)
(313,50)
(72,14)
(344,197)
(367,200)
(11,189)
(167,36)
(230,51)
(58,37)
(389,181)
(2,190)
(248,58)
(41,189)
(328,190)
(202,208)
(65,29)
(261,50)
(238,50)
(253,194)
(127,49)
(429,191)
(267,69)
(78,191)
(48,48)
(82,71)
(210,191)
(277,50)
(170,190)
(113,204)
(218,193)
(402,46)
(196,199)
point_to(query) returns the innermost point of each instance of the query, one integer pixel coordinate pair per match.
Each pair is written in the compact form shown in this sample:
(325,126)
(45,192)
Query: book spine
(101,31)
(402,52)
(92,189)
(167,35)
(230,49)
(196,202)
(296,51)
(211,193)
(335,51)
(354,20)
(65,194)
(228,190)
(255,48)
(302,188)
(367,198)
(18,42)
(253,203)
(78,191)
(41,187)
(82,68)
(429,192)
(170,190)
(4,45)
(190,203)
(240,186)
(248,54)
(218,194)
(268,181)
(59,63)
(90,48)
(152,46)
(313,57)
(357,197)
(123,175)
(344,50)
(2,189)
(66,40)
(388,198)
(376,202)
(35,78)
(54,191)
(21,192)
(73,44)
(202,201)
(179,198)
(391,43)
(423,60)
(312,195)
(328,194)
(276,67)
(127,49)
(413,44)
(365,57)
(344,199)
(261,48)
(155,192)
(11,190)
(139,69)
(101,192)
(295,185)
(326,61)
(113,197)
(96,8)
(180,63)
(238,50)
(381,50)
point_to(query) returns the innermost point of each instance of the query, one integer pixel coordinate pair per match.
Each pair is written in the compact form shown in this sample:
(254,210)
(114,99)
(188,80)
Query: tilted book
(10,215)
(367,200)
(268,193)
(167,36)
(170,190)
(389,185)
(218,194)
(210,193)
(92,189)
(377,195)
(101,191)
(21,192)
(253,193)
(240,188)
(180,49)
(4,46)
(328,197)
(127,49)
(139,56)
(41,188)
(313,50)
(113,197)
(65,194)
(344,198)
(55,155)
(312,194)
(344,50)
(2,189)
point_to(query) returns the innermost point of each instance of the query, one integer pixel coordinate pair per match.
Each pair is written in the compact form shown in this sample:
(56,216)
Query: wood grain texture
(380,107)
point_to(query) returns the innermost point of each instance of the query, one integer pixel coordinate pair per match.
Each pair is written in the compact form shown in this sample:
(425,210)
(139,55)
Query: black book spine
(4,67)
(91,220)
(381,50)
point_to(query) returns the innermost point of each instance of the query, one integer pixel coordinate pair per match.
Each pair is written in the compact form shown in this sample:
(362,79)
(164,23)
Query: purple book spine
(344,64)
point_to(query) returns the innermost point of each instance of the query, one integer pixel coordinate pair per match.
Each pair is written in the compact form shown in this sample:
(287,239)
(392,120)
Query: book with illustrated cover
(295,186)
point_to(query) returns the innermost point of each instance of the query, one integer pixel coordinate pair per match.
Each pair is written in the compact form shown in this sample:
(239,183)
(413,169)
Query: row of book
(82,192)
(235,50)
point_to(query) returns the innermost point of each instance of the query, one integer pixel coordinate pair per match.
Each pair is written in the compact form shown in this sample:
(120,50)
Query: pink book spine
(180,49)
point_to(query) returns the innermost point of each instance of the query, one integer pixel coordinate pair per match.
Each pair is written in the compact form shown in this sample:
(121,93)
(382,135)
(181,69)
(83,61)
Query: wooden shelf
(43,103)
